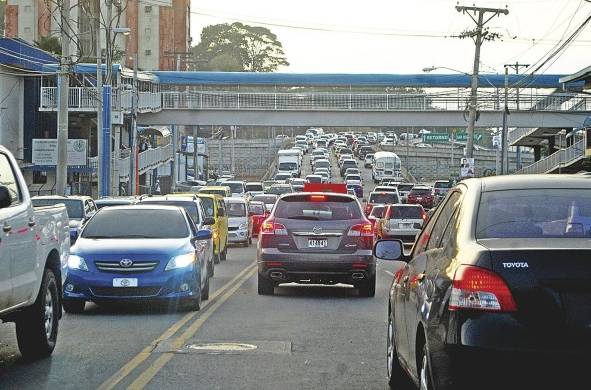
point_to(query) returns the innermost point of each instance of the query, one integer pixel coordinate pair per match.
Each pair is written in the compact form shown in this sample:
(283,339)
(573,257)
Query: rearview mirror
(5,200)
(388,250)
(207,221)
(203,235)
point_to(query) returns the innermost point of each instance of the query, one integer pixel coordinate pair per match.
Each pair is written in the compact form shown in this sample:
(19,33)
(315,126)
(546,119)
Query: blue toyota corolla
(147,252)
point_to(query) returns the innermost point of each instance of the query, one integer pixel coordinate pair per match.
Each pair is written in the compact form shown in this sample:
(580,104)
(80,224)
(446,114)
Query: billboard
(467,167)
(45,152)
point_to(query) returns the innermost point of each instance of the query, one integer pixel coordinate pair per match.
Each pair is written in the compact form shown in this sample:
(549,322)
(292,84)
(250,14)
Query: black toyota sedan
(497,289)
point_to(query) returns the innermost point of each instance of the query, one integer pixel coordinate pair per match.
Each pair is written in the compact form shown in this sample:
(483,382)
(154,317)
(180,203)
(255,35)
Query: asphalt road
(303,337)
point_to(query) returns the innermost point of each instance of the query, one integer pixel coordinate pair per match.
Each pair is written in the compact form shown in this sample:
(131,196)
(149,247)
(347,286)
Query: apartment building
(160,28)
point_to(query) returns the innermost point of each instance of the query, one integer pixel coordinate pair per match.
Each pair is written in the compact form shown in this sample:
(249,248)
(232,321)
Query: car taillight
(424,215)
(476,288)
(271,227)
(361,230)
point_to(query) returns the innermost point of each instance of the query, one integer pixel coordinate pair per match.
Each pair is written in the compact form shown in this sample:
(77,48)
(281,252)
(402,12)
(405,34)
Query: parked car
(239,223)
(496,283)
(34,249)
(258,213)
(422,195)
(136,253)
(332,247)
(80,209)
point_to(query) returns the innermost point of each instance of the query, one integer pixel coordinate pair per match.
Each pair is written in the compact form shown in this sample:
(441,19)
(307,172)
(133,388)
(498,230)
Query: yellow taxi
(215,207)
(222,191)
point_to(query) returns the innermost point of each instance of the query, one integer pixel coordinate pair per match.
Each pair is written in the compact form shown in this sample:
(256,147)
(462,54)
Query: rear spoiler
(328,187)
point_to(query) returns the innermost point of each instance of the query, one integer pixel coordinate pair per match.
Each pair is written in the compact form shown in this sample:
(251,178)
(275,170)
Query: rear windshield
(314,179)
(333,209)
(405,212)
(236,209)
(136,223)
(257,209)
(353,177)
(378,211)
(214,192)
(190,207)
(288,166)
(405,187)
(73,207)
(384,198)
(208,206)
(420,191)
(535,213)
(236,188)
(441,184)
(254,187)
(278,190)
(322,164)
(265,199)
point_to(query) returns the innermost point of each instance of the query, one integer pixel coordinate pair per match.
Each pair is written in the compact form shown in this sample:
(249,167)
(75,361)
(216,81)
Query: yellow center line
(146,352)
(148,374)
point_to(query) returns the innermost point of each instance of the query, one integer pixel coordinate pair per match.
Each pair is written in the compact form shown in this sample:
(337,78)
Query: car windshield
(254,187)
(236,209)
(136,222)
(332,209)
(208,206)
(383,198)
(256,209)
(441,184)
(288,166)
(279,190)
(535,213)
(74,207)
(190,207)
(405,212)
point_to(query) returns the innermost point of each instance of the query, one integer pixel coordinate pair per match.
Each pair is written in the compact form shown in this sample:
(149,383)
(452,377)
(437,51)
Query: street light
(121,30)
(433,68)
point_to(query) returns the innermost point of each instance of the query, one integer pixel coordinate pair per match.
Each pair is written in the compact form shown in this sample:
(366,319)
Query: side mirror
(5,200)
(389,250)
(89,215)
(208,221)
(203,235)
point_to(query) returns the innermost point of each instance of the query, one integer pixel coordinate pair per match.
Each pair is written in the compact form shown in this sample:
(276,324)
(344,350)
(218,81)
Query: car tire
(37,326)
(205,290)
(265,286)
(217,256)
(424,370)
(224,255)
(397,378)
(368,288)
(210,268)
(73,306)
(193,303)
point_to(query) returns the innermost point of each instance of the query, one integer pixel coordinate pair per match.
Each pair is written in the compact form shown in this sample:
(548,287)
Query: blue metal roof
(343,79)
(18,53)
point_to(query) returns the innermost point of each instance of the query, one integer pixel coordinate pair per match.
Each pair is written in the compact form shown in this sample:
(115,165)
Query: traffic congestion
(453,280)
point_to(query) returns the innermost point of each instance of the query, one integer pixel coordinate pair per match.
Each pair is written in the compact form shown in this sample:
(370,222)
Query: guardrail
(147,160)
(562,158)
(85,99)
(452,101)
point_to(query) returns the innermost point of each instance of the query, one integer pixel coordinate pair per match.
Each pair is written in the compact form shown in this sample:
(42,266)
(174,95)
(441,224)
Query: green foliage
(49,44)
(238,47)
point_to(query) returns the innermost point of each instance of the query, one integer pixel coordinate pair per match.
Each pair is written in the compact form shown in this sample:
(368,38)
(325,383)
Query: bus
(386,165)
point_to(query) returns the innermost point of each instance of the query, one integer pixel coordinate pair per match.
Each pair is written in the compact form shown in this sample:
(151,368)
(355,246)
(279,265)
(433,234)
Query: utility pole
(61,171)
(504,143)
(480,16)
(233,163)
(99,100)
(516,66)
(195,152)
(133,143)
(175,144)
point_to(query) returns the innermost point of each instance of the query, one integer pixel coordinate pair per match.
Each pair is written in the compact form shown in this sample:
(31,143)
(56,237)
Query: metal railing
(562,158)
(452,101)
(147,160)
(85,99)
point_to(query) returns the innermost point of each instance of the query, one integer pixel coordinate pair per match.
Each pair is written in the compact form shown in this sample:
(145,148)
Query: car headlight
(242,226)
(181,261)
(77,262)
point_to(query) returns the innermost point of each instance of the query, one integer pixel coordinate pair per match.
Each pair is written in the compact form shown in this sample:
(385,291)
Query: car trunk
(550,280)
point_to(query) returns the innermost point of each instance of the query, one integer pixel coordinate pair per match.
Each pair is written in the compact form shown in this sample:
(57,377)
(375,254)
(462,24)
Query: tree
(238,47)
(49,44)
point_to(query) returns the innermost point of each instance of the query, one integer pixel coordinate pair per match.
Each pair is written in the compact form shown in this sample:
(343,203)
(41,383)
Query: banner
(45,152)
(467,167)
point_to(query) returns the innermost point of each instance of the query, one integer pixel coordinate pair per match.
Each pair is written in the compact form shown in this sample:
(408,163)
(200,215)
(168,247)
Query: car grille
(125,291)
(137,266)
(232,228)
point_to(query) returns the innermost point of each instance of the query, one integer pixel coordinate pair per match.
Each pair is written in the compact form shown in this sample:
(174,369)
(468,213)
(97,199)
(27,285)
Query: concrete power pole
(479,35)
(516,66)
(61,171)
(504,141)
(99,99)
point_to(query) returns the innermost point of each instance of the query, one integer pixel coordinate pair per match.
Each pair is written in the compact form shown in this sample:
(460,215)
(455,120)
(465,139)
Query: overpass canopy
(344,79)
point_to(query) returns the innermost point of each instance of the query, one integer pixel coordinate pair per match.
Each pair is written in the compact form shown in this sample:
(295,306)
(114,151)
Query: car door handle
(6,228)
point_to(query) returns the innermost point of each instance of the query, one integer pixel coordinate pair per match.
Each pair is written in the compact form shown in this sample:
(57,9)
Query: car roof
(61,197)
(145,207)
(421,187)
(234,200)
(523,182)
(166,198)
(215,188)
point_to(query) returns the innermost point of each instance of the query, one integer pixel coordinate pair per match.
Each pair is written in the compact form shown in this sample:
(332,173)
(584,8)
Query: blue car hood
(167,247)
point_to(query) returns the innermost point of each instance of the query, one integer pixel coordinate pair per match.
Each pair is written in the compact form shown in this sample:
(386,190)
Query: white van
(239,226)
(289,161)
(386,165)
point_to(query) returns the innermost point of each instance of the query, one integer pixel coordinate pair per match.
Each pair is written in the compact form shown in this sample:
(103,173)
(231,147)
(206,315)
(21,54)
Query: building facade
(160,29)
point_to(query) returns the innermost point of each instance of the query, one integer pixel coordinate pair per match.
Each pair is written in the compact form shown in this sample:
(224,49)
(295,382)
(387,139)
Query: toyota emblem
(126,263)
(317,230)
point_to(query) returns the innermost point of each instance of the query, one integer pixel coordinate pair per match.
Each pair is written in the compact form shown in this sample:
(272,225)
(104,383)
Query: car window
(137,223)
(442,220)
(405,212)
(74,207)
(378,212)
(190,207)
(221,208)
(385,198)
(450,229)
(331,208)
(208,206)
(236,209)
(8,179)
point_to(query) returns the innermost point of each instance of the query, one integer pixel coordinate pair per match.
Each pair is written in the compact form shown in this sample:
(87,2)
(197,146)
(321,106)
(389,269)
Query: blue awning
(19,53)
(343,79)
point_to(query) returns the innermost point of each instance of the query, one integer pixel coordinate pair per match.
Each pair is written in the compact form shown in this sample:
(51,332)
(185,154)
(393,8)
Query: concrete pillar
(537,153)
(551,145)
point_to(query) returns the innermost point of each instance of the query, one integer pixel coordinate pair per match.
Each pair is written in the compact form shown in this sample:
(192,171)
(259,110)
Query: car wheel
(225,252)
(210,268)
(425,370)
(396,375)
(217,256)
(194,303)
(265,286)
(368,288)
(73,306)
(37,326)
(205,290)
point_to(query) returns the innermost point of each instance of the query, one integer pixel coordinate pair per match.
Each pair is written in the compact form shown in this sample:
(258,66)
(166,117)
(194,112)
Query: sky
(405,36)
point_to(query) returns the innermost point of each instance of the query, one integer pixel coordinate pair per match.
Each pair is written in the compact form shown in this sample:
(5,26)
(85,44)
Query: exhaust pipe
(358,275)
(277,275)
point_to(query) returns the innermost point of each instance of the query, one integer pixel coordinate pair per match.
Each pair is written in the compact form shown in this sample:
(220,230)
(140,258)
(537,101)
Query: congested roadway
(302,337)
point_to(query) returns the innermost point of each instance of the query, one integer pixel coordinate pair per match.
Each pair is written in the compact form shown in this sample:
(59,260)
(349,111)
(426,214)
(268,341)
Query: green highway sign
(436,137)
(463,137)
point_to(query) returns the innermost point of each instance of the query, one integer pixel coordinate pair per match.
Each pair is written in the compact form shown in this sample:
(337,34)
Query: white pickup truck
(34,248)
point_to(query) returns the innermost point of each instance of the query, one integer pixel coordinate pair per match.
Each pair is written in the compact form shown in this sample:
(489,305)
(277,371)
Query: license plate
(404,225)
(124,282)
(315,243)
